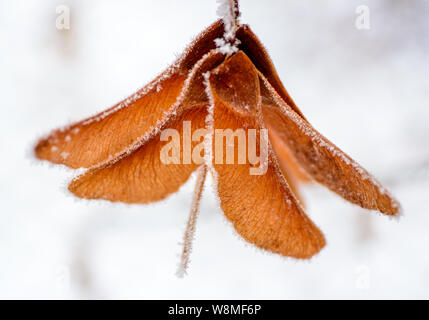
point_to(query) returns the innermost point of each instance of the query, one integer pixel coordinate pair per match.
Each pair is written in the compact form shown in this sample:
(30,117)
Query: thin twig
(192,220)
(236,9)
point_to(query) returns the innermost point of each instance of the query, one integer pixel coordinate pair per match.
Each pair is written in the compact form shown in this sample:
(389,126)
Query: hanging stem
(236,10)
(229,11)
(192,221)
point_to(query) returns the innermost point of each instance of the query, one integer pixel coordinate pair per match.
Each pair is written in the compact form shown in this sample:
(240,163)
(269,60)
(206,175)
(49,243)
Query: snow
(358,88)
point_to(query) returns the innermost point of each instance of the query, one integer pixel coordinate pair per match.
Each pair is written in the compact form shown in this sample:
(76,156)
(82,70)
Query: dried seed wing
(286,160)
(141,174)
(108,134)
(261,207)
(321,159)
(150,173)
(254,49)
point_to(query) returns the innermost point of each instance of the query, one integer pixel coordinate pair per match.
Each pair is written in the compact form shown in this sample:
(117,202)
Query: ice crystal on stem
(229,12)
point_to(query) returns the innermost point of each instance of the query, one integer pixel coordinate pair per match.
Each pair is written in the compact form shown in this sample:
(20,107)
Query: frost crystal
(228,11)
(226,47)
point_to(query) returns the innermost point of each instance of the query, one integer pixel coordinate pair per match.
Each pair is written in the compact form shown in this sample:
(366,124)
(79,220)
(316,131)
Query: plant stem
(236,10)
(192,221)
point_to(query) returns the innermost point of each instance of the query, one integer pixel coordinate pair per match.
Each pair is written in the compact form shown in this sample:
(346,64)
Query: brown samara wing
(261,207)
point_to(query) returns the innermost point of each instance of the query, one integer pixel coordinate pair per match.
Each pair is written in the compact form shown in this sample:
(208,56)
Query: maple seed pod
(224,80)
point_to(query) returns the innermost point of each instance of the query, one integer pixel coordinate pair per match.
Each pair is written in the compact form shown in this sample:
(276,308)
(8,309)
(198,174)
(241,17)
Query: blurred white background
(366,90)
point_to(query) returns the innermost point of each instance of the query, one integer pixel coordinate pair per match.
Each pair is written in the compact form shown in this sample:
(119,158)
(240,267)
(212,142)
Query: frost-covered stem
(236,10)
(229,11)
(192,220)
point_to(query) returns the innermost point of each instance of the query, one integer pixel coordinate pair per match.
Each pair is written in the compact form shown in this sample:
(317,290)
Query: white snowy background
(366,90)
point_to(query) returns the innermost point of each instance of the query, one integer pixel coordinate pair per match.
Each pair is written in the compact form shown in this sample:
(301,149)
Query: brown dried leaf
(325,162)
(141,177)
(261,207)
(108,134)
(255,50)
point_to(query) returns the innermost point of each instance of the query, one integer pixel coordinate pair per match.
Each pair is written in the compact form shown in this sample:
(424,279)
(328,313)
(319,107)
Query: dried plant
(224,80)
